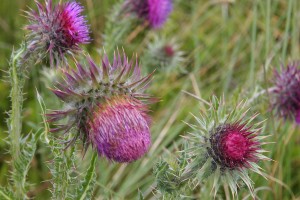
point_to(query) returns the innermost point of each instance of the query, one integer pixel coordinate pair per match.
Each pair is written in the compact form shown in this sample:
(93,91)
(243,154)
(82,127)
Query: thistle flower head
(107,108)
(163,53)
(286,94)
(155,12)
(56,30)
(232,146)
(225,144)
(119,129)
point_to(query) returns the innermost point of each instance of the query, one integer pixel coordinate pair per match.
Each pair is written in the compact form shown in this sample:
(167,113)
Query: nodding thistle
(107,107)
(225,145)
(155,12)
(286,94)
(56,30)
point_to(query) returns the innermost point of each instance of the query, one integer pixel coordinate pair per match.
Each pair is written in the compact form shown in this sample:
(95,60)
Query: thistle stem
(15,120)
(88,183)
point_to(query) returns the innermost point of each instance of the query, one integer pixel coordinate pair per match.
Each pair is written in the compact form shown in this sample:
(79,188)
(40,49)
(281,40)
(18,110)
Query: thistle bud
(56,30)
(155,12)
(107,107)
(286,94)
(164,54)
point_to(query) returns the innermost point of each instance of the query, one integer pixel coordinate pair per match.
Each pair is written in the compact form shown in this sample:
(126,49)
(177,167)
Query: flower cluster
(286,94)
(107,107)
(56,30)
(155,12)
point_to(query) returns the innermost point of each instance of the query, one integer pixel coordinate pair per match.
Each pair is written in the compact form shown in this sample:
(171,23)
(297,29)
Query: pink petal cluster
(233,146)
(119,129)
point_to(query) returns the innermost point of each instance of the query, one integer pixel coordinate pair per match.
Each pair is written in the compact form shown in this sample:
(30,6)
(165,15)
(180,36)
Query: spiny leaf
(22,163)
(61,167)
(6,194)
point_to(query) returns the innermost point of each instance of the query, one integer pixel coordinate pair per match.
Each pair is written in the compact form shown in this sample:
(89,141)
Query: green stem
(253,45)
(16,99)
(268,27)
(287,29)
(15,120)
(89,179)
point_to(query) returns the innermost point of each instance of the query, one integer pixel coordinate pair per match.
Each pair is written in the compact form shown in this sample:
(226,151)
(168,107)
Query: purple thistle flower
(159,11)
(225,145)
(286,93)
(233,146)
(155,12)
(56,30)
(119,129)
(107,107)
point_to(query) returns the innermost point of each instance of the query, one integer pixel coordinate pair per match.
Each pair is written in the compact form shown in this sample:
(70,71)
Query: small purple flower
(107,107)
(286,99)
(56,30)
(156,12)
(168,50)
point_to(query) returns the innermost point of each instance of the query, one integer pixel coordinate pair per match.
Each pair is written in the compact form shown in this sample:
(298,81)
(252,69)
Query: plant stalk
(15,120)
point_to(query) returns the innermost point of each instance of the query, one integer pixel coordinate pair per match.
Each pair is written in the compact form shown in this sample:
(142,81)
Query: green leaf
(22,163)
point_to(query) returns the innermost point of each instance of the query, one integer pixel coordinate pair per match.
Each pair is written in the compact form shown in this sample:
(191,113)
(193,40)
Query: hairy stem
(87,186)
(15,120)
(15,124)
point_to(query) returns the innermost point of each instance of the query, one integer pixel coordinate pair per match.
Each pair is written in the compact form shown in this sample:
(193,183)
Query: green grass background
(231,49)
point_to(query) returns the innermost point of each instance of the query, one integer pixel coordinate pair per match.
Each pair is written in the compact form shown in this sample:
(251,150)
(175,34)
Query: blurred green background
(231,49)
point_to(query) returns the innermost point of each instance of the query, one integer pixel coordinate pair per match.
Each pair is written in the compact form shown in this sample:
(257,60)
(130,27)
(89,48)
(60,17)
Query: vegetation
(227,48)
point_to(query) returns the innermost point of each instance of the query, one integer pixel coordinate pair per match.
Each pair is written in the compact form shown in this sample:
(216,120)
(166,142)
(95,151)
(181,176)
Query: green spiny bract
(224,145)
(167,176)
